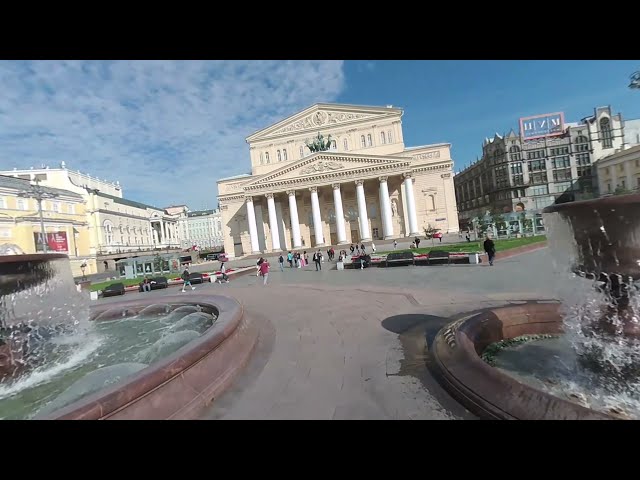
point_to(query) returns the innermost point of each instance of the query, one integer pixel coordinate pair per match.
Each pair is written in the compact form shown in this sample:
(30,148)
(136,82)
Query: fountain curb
(181,385)
(486,391)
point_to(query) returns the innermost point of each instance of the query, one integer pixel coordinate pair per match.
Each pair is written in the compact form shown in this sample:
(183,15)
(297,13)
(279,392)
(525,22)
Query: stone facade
(366,187)
(620,172)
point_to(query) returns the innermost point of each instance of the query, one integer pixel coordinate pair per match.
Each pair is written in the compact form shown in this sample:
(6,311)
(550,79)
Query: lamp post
(635,81)
(36,192)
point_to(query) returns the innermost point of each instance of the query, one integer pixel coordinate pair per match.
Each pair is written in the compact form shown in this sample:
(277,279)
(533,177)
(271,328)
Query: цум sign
(539,126)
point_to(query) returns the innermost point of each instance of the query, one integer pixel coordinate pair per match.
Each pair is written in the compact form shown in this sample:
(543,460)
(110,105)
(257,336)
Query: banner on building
(539,126)
(56,242)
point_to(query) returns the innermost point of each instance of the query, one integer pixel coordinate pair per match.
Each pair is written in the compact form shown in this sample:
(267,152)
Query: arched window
(383,139)
(363,141)
(279,156)
(301,152)
(369,140)
(284,154)
(261,159)
(266,157)
(514,153)
(582,144)
(389,137)
(333,145)
(108,232)
(345,144)
(431,202)
(606,134)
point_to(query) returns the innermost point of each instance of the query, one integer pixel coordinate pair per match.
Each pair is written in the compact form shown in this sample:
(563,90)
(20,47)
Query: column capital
(359,182)
(407,175)
(268,195)
(291,193)
(335,186)
(248,199)
(313,189)
(383,178)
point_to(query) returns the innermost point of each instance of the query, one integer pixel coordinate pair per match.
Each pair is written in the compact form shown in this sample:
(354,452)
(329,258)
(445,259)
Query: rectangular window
(562,162)
(21,204)
(55,207)
(2,203)
(71,208)
(585,159)
(537,165)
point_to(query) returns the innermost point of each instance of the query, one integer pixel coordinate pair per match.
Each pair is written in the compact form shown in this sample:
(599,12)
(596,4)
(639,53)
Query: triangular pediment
(325,117)
(328,162)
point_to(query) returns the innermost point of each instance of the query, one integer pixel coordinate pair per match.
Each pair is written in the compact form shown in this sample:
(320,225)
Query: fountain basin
(181,384)
(487,391)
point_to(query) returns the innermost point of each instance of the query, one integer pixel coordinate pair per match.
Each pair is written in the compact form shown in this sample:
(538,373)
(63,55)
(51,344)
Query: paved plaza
(350,344)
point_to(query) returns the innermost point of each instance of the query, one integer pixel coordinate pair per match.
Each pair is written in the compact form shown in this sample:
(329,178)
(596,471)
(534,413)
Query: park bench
(400,258)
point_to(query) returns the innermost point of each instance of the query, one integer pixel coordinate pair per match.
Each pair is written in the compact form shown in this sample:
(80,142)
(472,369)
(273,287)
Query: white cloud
(167,130)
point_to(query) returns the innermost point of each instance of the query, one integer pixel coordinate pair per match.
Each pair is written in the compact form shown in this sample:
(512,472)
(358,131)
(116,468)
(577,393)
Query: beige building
(63,215)
(115,224)
(620,172)
(366,186)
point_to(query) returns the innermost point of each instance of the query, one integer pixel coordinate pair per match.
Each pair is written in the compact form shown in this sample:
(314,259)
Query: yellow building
(64,217)
(620,172)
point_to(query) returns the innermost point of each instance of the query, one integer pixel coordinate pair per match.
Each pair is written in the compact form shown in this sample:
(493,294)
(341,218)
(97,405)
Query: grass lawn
(126,281)
(472,247)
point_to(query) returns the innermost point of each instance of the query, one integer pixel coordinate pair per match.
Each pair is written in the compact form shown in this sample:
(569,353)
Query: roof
(200,213)
(22,184)
(235,177)
(427,146)
(124,201)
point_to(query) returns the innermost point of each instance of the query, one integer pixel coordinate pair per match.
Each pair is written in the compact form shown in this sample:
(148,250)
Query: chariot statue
(319,144)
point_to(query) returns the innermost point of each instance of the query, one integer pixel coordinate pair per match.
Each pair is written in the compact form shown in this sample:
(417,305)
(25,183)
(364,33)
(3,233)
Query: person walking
(281,262)
(264,271)
(223,272)
(395,244)
(186,280)
(317,258)
(373,247)
(290,259)
(490,248)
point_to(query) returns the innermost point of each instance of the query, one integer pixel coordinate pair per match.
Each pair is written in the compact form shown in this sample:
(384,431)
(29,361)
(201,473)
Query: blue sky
(167,130)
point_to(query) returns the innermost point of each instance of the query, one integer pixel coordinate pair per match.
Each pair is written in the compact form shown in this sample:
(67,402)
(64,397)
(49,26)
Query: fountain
(133,359)
(574,359)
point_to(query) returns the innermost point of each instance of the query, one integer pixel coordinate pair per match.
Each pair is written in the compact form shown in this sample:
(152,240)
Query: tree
(621,191)
(429,231)
(158,262)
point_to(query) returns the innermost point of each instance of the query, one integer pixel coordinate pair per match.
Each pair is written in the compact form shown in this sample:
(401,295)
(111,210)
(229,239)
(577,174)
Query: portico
(356,189)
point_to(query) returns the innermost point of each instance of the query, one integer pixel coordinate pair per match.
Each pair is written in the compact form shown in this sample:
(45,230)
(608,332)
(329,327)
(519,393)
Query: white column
(385,209)
(273,223)
(253,228)
(337,201)
(411,205)
(295,222)
(365,234)
(317,221)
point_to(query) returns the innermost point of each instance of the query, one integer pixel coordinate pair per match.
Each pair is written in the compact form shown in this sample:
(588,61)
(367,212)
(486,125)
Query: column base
(389,237)
(415,234)
(343,242)
(362,240)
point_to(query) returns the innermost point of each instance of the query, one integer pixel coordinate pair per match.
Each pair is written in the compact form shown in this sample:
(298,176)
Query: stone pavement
(332,343)
(325,353)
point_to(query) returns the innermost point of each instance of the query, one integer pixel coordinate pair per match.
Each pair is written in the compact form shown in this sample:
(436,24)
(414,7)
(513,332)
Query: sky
(168,130)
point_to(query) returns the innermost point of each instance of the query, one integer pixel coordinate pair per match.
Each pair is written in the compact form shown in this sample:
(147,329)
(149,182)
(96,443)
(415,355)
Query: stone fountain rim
(485,390)
(610,201)
(111,400)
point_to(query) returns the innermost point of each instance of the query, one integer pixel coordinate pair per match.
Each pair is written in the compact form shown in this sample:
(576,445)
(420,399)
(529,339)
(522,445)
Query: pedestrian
(290,259)
(395,244)
(317,258)
(352,249)
(306,258)
(260,260)
(490,248)
(373,247)
(264,271)
(223,271)
(186,279)
(417,242)
(146,284)
(281,262)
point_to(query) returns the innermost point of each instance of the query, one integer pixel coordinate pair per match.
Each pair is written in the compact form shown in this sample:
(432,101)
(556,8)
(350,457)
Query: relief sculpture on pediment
(321,166)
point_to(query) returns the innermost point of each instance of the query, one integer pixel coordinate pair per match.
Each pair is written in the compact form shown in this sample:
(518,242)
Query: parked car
(156,283)
(212,256)
(113,290)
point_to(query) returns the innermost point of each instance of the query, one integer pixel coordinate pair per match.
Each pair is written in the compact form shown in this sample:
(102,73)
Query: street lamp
(37,192)
(635,81)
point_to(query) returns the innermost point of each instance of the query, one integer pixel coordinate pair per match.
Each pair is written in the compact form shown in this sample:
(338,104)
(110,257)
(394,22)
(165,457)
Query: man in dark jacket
(490,248)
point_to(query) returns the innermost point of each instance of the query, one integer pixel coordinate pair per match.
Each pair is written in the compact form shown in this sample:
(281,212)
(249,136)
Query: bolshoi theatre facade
(335,174)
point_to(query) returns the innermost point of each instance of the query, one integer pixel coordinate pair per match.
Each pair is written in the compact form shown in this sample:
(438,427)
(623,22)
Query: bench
(400,258)
(439,257)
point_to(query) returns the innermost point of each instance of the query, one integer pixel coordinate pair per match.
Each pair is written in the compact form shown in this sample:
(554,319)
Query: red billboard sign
(56,242)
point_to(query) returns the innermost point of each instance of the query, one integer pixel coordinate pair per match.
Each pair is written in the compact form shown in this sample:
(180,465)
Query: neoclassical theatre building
(362,185)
